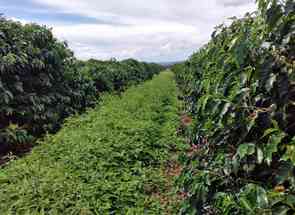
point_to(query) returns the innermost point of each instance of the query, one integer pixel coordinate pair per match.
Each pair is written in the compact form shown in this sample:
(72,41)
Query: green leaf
(272,146)
(270,82)
(3,178)
(269,131)
(281,210)
(290,200)
(246,149)
(246,204)
(233,43)
(290,153)
(273,15)
(10,95)
(255,196)
(19,87)
(262,200)
(259,155)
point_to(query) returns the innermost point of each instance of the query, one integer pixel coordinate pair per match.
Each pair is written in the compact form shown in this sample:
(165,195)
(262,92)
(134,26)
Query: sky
(147,30)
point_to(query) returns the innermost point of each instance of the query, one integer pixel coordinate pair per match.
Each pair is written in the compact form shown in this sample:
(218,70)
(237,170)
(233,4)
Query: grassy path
(108,161)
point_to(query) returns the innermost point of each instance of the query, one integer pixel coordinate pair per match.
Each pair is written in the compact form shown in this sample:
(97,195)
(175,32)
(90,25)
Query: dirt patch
(169,197)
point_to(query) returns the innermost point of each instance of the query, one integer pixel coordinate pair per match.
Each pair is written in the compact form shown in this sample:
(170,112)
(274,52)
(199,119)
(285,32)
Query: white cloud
(233,3)
(146,42)
(156,30)
(23,21)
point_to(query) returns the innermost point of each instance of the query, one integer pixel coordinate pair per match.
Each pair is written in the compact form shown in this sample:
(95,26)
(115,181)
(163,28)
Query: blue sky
(153,30)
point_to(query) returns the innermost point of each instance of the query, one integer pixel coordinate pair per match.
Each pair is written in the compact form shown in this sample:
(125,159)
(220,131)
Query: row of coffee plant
(41,82)
(113,75)
(108,161)
(240,91)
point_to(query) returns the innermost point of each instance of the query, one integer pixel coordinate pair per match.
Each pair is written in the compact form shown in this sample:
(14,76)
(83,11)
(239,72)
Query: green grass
(107,161)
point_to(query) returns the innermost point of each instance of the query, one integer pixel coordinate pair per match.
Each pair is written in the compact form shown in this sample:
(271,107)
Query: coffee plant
(116,76)
(41,82)
(109,160)
(38,84)
(240,91)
